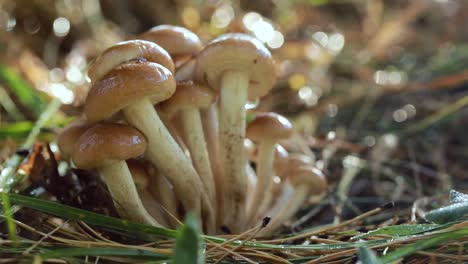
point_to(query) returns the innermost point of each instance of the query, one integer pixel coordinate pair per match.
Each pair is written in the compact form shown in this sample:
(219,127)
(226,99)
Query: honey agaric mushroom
(142,182)
(70,134)
(134,87)
(105,147)
(126,51)
(180,42)
(266,129)
(187,101)
(240,67)
(305,181)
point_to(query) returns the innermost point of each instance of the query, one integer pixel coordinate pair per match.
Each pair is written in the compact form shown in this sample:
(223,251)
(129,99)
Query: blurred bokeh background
(376,89)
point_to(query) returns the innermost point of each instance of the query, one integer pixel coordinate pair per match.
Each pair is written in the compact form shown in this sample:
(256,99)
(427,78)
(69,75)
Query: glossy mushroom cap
(127,84)
(178,41)
(269,126)
(139,174)
(187,96)
(238,52)
(297,160)
(309,176)
(126,51)
(70,134)
(105,143)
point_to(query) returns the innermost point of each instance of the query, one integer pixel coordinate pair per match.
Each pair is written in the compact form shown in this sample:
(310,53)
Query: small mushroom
(181,43)
(67,138)
(134,87)
(240,67)
(187,101)
(105,147)
(302,182)
(266,129)
(142,182)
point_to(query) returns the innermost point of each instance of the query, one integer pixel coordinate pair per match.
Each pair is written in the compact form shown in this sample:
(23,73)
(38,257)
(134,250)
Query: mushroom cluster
(164,125)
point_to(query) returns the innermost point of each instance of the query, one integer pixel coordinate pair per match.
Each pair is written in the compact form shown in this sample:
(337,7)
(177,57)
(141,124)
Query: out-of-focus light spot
(380,77)
(410,110)
(250,19)
(11,23)
(251,104)
(56,75)
(336,42)
(389,77)
(296,81)
(263,30)
(400,115)
(390,140)
(277,180)
(369,141)
(307,95)
(351,161)
(313,51)
(332,110)
(190,17)
(321,38)
(61,92)
(74,75)
(277,40)
(223,16)
(331,135)
(61,26)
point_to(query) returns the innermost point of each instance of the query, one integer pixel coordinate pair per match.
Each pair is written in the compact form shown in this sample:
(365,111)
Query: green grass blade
(72,213)
(367,256)
(448,213)
(188,246)
(399,230)
(423,244)
(115,252)
(16,130)
(25,93)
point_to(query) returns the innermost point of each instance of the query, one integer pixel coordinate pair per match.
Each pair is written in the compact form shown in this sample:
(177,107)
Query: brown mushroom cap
(269,126)
(188,95)
(176,40)
(107,142)
(310,176)
(127,84)
(297,160)
(127,51)
(238,52)
(70,134)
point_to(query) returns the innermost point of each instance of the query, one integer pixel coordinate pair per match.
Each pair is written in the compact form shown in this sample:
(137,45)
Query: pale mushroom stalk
(233,98)
(98,148)
(128,203)
(195,140)
(266,150)
(162,189)
(141,179)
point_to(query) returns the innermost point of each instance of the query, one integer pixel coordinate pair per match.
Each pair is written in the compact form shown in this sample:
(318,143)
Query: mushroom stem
(124,193)
(166,155)
(291,200)
(195,140)
(211,130)
(163,191)
(266,155)
(234,85)
(154,208)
